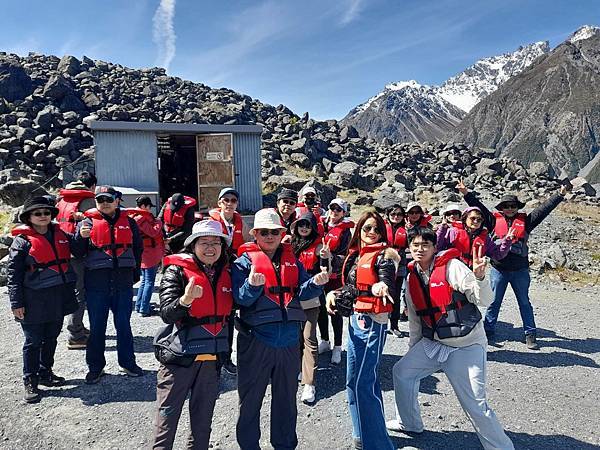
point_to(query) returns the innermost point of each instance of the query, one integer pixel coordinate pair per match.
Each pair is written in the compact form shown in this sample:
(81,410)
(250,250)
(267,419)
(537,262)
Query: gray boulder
(581,186)
(61,146)
(489,166)
(69,64)
(57,88)
(300,159)
(14,193)
(554,256)
(15,84)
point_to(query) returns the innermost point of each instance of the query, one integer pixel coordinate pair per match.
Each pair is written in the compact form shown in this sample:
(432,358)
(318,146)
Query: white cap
(308,189)
(207,228)
(340,202)
(267,219)
(452,207)
(412,205)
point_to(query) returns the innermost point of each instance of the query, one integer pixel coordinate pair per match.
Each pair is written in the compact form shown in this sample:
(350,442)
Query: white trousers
(465,369)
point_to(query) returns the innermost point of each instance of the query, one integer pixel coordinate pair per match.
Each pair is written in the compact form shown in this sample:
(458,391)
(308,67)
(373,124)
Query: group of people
(278,284)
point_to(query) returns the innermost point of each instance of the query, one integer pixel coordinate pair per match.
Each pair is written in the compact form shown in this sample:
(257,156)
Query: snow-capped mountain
(409,111)
(585,32)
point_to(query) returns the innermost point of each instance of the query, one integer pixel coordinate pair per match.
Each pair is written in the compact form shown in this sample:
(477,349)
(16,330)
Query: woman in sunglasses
(468,234)
(196,299)
(338,232)
(269,284)
(369,277)
(41,287)
(314,254)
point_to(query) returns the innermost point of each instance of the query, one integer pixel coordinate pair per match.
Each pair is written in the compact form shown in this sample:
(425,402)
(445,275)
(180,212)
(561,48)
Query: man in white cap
(268,285)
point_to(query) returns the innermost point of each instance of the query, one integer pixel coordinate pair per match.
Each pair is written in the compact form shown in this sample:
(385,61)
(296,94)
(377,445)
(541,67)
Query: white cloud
(353,9)
(163,32)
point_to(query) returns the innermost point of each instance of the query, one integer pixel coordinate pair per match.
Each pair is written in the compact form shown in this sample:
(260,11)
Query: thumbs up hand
(322,277)
(192,292)
(256,279)
(85,230)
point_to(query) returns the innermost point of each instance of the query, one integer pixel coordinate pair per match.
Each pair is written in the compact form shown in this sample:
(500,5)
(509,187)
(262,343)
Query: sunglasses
(229,200)
(510,206)
(310,196)
(104,199)
(452,213)
(335,209)
(414,213)
(265,233)
(304,224)
(369,228)
(42,213)
(475,219)
(396,214)
(288,202)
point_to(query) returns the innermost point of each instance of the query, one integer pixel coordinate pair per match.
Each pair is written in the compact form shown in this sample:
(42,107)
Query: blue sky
(320,56)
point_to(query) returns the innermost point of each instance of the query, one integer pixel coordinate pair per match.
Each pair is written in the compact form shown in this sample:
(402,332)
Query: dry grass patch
(572,277)
(588,212)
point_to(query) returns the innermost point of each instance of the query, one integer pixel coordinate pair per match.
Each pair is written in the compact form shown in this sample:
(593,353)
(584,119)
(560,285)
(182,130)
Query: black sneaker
(134,371)
(230,367)
(48,378)
(93,377)
(77,344)
(531,342)
(32,394)
(403,316)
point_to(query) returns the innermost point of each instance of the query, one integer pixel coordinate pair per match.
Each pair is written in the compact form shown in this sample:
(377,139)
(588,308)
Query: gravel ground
(546,400)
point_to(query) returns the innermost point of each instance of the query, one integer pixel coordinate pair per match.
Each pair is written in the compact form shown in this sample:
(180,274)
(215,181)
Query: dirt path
(546,400)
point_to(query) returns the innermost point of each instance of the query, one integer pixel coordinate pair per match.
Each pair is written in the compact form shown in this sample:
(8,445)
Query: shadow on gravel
(534,359)
(141,344)
(438,440)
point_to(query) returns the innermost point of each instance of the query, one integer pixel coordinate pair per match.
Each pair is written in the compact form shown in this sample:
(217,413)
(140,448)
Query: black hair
(88,179)
(427,234)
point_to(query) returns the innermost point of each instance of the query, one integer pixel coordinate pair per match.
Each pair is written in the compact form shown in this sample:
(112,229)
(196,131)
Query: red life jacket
(442,310)
(110,242)
(366,277)
(517,222)
(149,242)
(277,288)
(334,234)
(238,237)
(398,240)
(465,245)
(309,256)
(43,252)
(214,307)
(68,204)
(302,209)
(424,222)
(176,219)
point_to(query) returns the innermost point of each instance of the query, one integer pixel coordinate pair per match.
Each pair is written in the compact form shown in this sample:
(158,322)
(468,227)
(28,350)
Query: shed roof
(173,128)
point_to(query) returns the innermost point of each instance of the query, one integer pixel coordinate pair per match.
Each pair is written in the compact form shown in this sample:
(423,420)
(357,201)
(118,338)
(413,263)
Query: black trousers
(395,315)
(259,364)
(39,346)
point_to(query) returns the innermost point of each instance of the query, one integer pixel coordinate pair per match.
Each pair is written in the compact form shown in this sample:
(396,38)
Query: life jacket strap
(280,289)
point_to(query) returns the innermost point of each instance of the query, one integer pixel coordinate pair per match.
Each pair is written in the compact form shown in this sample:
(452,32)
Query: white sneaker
(398,427)
(336,355)
(324,346)
(308,394)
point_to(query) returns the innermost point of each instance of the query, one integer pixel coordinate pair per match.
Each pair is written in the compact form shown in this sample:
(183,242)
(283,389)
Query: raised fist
(256,279)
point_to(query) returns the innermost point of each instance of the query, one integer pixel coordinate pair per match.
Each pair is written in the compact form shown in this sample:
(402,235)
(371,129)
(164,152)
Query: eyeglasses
(104,199)
(209,244)
(229,200)
(304,224)
(369,228)
(510,206)
(265,233)
(414,213)
(452,213)
(475,219)
(335,209)
(310,196)
(42,213)
(288,202)
(422,245)
(396,214)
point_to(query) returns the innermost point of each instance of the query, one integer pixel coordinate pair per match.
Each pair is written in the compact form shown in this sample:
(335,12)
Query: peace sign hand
(256,279)
(192,291)
(511,234)
(462,188)
(325,252)
(479,262)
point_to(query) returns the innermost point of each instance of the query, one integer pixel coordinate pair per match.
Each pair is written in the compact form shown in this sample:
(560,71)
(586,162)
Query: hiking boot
(48,378)
(32,394)
(308,394)
(77,344)
(93,377)
(229,367)
(336,355)
(324,346)
(531,342)
(134,371)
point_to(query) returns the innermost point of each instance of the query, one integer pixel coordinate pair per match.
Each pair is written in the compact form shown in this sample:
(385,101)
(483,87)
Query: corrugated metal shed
(126,155)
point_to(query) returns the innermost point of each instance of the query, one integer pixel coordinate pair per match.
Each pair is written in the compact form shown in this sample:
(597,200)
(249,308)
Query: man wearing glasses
(286,208)
(112,246)
(514,268)
(268,284)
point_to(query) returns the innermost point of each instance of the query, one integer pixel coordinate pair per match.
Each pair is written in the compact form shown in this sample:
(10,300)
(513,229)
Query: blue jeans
(519,281)
(144,293)
(101,300)
(39,346)
(365,345)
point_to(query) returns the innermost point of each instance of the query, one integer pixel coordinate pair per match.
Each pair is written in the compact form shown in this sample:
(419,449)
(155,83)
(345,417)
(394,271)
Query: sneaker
(93,377)
(48,378)
(308,394)
(336,355)
(32,394)
(229,367)
(398,427)
(324,346)
(398,333)
(134,371)
(531,342)
(77,344)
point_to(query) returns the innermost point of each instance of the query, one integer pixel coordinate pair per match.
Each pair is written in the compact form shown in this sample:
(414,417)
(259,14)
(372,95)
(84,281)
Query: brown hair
(355,242)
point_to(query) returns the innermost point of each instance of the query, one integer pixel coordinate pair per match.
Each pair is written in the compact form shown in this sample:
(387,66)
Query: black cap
(105,191)
(287,193)
(144,200)
(509,198)
(33,203)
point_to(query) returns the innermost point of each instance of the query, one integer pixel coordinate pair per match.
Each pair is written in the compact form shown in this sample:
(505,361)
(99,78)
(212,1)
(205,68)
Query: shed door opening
(177,166)
(215,166)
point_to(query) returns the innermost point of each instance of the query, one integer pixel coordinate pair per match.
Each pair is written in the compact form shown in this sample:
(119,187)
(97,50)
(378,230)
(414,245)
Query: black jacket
(179,235)
(385,265)
(44,305)
(513,261)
